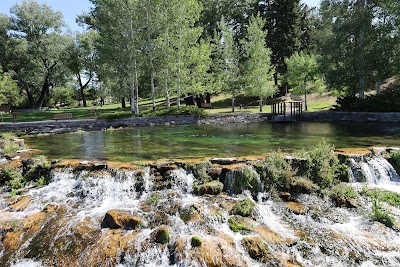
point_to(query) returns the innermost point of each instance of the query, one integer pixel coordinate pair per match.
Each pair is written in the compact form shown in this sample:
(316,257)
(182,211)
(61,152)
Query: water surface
(227,140)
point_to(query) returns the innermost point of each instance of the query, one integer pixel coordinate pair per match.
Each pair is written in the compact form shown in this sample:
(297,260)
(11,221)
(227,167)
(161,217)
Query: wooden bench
(92,112)
(206,105)
(62,116)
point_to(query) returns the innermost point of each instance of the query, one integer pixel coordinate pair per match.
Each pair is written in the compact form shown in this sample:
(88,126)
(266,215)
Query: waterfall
(73,235)
(374,170)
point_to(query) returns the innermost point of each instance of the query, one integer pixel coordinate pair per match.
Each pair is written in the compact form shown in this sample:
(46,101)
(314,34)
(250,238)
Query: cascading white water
(376,171)
(323,236)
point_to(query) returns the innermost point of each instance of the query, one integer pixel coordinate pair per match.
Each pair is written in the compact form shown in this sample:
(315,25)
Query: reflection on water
(212,140)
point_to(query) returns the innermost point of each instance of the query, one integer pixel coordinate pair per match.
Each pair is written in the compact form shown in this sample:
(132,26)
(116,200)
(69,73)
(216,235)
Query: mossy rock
(257,249)
(195,241)
(35,168)
(210,188)
(189,213)
(304,186)
(240,224)
(243,208)
(162,235)
(115,219)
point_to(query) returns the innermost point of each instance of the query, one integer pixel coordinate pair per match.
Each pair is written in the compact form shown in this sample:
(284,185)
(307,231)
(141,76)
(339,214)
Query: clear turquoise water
(196,141)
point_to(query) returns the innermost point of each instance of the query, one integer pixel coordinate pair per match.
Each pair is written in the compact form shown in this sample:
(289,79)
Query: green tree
(81,61)
(258,70)
(39,50)
(283,26)
(226,62)
(9,92)
(303,74)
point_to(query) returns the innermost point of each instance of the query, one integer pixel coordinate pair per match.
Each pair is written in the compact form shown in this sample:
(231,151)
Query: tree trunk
(276,78)
(261,104)
(378,88)
(305,101)
(123,103)
(43,93)
(31,101)
(83,96)
(361,66)
(136,90)
(168,99)
(233,104)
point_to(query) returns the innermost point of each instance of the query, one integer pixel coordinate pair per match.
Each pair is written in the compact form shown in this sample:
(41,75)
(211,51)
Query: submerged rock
(115,219)
(257,249)
(22,204)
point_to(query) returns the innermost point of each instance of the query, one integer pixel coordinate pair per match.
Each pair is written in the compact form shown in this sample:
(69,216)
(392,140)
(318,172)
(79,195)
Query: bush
(322,165)
(195,241)
(275,172)
(118,115)
(243,208)
(389,197)
(343,191)
(36,168)
(7,144)
(14,177)
(380,214)
(387,101)
(395,160)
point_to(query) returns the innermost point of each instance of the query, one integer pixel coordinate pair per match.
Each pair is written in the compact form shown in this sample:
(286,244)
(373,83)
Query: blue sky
(72,8)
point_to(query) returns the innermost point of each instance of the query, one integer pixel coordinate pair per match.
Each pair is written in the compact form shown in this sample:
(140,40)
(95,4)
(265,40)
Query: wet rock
(12,240)
(240,224)
(285,196)
(344,202)
(257,249)
(224,161)
(115,219)
(190,213)
(304,186)
(51,208)
(215,172)
(97,166)
(243,208)
(22,204)
(34,222)
(210,188)
(162,234)
(271,237)
(85,229)
(296,207)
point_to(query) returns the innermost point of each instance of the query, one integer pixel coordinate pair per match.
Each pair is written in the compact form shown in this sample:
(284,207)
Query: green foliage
(63,96)
(395,160)
(343,191)
(303,74)
(380,214)
(258,70)
(237,223)
(153,199)
(275,172)
(243,208)
(14,177)
(384,102)
(322,165)
(8,146)
(40,169)
(195,241)
(389,197)
(42,181)
(304,185)
(117,115)
(200,171)
(9,93)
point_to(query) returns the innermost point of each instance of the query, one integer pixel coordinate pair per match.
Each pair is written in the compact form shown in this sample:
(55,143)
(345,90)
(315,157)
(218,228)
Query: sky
(72,8)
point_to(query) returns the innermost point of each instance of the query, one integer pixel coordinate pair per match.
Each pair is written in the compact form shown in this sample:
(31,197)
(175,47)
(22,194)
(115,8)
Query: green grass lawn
(220,104)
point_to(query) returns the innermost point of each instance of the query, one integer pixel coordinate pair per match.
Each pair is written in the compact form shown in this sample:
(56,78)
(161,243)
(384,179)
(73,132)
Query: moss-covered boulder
(195,241)
(115,219)
(210,188)
(243,208)
(257,249)
(240,224)
(304,186)
(162,235)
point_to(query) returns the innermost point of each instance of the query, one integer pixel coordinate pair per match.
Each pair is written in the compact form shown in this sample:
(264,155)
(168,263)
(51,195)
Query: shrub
(322,165)
(275,172)
(392,198)
(380,214)
(118,115)
(36,168)
(195,241)
(395,156)
(14,177)
(343,191)
(243,208)
(304,185)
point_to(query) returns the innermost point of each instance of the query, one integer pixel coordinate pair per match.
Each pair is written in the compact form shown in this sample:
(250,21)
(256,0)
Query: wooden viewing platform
(286,111)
